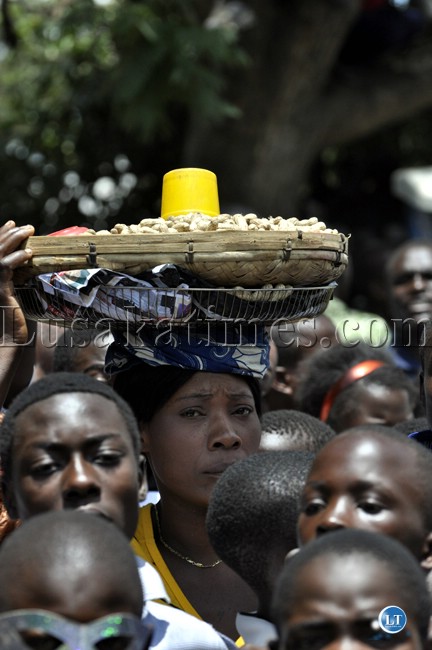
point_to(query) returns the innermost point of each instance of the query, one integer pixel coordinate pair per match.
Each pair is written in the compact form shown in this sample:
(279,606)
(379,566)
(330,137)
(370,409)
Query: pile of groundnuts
(197,222)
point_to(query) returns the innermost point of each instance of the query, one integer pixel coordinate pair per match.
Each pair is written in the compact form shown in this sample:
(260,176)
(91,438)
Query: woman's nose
(222,432)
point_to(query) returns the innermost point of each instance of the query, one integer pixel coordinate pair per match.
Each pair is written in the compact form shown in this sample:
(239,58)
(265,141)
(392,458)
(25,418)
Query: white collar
(255,630)
(153,586)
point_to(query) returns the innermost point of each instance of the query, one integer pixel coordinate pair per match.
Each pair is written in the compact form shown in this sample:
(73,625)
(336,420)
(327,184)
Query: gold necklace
(200,565)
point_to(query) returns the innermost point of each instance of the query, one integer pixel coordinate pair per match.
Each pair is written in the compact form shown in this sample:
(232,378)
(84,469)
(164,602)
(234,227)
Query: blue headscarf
(222,347)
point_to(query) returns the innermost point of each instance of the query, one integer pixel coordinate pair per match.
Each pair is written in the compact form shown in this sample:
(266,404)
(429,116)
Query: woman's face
(208,424)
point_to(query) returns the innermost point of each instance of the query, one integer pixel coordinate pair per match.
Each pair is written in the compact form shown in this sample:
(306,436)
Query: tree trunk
(306,102)
(276,140)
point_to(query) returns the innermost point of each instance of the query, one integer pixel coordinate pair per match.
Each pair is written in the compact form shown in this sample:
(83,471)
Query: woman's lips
(217,468)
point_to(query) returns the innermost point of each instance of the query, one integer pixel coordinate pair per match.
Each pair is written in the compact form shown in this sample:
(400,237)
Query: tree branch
(10,34)
(312,39)
(361,103)
(291,136)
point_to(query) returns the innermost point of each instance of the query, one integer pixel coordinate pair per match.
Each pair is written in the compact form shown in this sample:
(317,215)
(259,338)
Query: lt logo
(392,619)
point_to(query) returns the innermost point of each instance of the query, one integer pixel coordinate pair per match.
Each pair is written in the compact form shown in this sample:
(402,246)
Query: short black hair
(252,514)
(55,384)
(302,431)
(410,426)
(409,579)
(400,250)
(148,388)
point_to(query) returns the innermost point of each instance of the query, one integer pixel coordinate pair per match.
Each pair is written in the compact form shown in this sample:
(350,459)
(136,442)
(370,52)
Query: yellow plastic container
(189,190)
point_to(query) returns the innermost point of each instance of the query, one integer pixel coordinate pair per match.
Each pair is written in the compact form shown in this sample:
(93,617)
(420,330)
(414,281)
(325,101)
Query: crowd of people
(267,495)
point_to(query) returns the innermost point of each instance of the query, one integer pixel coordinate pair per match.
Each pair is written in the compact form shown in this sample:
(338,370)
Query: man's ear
(426,561)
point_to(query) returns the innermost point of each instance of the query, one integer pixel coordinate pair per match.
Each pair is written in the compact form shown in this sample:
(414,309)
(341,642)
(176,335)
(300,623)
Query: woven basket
(226,259)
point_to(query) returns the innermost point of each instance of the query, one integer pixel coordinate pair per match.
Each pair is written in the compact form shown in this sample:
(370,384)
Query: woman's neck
(182,527)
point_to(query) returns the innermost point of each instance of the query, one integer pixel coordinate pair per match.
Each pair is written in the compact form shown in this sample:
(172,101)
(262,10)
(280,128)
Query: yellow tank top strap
(144,545)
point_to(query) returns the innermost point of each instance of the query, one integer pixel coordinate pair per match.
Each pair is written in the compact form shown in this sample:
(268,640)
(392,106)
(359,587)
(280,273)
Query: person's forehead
(215,382)
(70,407)
(352,443)
(392,397)
(322,583)
(69,593)
(61,401)
(361,448)
(364,566)
(414,259)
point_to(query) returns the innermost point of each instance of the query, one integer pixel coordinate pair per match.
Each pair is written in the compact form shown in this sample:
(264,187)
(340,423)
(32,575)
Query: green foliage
(167,60)
(92,81)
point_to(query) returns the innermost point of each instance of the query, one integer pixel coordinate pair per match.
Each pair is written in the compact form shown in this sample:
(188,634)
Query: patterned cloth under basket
(97,297)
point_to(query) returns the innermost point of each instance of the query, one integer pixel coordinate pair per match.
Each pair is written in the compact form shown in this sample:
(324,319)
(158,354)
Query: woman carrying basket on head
(197,403)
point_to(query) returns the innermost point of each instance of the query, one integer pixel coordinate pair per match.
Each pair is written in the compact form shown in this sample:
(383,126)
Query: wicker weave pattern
(225,259)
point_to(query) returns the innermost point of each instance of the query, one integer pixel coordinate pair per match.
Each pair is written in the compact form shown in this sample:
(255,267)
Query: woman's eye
(243,410)
(108,458)
(191,413)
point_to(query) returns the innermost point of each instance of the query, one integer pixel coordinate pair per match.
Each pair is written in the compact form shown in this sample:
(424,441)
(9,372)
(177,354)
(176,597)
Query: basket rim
(299,238)
(201,253)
